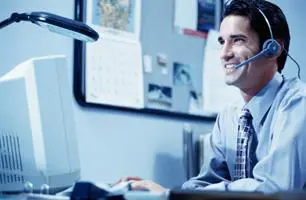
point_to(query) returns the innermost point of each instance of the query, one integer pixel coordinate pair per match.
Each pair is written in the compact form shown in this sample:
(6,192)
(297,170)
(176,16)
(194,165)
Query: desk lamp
(55,23)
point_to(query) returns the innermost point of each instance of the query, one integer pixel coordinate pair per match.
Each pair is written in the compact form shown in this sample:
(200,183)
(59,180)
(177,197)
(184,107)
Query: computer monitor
(38,144)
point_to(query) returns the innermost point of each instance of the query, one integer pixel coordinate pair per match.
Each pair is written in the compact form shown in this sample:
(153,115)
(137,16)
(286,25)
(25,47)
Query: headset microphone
(270,48)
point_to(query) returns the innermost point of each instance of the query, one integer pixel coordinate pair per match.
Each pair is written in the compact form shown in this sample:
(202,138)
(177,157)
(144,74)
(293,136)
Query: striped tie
(245,130)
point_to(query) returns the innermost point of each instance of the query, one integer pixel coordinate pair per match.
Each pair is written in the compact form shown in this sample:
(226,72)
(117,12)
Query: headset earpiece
(271,47)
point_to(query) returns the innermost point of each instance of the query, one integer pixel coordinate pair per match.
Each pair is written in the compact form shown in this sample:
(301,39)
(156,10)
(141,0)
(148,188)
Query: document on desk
(216,94)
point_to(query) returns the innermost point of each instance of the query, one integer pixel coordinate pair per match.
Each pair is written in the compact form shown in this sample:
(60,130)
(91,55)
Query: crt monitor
(38,144)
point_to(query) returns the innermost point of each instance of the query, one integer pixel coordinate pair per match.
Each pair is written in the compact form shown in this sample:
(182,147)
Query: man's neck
(248,93)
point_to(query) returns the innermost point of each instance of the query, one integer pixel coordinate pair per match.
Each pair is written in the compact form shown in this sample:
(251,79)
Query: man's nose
(226,52)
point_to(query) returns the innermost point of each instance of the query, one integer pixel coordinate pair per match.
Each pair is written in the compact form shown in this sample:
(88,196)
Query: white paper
(147,63)
(186,14)
(114,73)
(216,94)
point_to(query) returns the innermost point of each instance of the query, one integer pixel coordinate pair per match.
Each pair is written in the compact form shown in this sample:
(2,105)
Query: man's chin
(229,82)
(233,79)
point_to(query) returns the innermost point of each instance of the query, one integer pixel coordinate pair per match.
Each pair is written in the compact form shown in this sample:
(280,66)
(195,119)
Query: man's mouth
(230,68)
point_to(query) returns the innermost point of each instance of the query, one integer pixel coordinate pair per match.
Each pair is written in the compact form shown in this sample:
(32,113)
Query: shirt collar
(262,101)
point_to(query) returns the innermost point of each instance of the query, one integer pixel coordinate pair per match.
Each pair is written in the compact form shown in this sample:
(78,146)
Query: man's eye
(238,40)
(221,42)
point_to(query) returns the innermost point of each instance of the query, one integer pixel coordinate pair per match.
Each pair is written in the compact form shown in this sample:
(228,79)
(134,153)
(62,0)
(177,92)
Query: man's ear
(281,43)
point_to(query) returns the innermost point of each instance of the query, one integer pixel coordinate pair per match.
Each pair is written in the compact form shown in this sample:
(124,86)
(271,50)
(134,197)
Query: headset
(271,47)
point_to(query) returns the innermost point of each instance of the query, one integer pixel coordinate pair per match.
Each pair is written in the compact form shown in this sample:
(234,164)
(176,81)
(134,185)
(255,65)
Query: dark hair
(275,16)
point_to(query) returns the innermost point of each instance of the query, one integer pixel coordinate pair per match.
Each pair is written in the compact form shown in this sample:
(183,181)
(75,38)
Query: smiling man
(259,142)
(239,42)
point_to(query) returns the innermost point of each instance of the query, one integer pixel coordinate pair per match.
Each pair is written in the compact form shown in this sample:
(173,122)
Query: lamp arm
(55,23)
(15,17)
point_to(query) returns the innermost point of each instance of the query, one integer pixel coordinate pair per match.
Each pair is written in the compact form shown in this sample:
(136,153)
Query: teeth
(230,66)
(230,70)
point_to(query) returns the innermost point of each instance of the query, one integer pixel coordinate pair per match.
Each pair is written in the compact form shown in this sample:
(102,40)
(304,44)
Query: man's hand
(147,185)
(128,178)
(137,183)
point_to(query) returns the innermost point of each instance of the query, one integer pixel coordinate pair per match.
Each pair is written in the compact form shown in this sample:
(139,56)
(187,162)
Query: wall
(295,14)
(114,144)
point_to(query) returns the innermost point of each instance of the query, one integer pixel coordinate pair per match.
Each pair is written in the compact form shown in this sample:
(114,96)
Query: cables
(297,64)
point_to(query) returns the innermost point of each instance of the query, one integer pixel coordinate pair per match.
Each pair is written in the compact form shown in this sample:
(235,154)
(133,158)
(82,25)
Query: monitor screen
(38,144)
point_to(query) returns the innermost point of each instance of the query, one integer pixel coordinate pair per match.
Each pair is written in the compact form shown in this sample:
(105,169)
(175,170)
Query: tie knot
(245,113)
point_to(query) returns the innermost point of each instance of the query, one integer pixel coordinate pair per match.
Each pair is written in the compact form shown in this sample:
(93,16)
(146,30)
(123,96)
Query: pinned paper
(160,95)
(162,59)
(181,74)
(162,62)
(147,63)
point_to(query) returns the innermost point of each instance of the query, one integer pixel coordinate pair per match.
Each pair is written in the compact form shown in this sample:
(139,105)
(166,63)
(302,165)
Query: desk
(176,195)
(196,195)
(133,195)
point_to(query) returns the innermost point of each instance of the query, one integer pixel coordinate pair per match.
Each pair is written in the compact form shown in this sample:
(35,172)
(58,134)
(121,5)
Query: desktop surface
(209,195)
(172,195)
(216,195)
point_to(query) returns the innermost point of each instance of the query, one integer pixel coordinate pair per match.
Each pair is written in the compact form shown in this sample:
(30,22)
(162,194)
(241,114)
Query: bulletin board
(147,59)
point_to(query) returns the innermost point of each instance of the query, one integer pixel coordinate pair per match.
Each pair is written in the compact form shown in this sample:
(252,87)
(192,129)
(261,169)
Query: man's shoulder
(291,90)
(294,86)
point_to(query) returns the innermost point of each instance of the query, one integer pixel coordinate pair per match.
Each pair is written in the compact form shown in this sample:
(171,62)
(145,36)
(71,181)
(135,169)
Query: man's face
(238,43)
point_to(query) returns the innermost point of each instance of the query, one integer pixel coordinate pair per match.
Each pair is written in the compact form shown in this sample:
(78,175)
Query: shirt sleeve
(283,168)
(214,169)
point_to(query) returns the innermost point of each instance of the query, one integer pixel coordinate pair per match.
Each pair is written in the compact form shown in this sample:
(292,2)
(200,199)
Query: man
(267,155)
